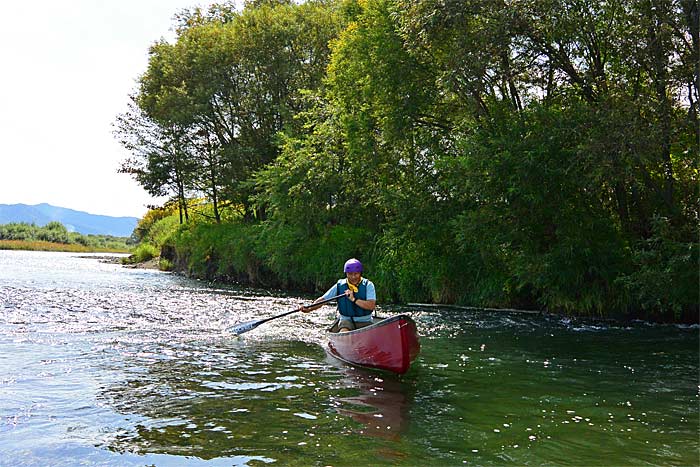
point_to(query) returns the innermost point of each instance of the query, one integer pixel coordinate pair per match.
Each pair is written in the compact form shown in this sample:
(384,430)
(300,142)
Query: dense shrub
(57,233)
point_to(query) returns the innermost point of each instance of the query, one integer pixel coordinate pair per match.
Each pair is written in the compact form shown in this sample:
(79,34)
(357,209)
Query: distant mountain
(75,221)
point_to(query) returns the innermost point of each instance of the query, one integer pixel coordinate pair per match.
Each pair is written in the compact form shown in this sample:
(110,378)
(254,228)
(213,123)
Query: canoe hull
(389,344)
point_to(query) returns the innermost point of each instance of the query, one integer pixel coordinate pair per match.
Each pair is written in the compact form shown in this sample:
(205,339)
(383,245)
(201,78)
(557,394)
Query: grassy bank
(54,236)
(282,257)
(658,283)
(251,254)
(40,245)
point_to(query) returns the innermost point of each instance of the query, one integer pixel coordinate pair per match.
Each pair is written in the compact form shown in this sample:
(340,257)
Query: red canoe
(388,344)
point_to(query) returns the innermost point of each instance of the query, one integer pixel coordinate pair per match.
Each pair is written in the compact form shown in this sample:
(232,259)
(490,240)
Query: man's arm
(329,293)
(370,302)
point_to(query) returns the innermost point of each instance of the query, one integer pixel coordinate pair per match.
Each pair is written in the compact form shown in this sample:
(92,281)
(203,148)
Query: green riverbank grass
(40,245)
(147,256)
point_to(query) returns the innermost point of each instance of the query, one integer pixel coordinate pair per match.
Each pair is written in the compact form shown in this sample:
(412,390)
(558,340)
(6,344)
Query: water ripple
(109,366)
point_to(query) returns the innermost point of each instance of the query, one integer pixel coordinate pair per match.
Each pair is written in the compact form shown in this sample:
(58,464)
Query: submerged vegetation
(531,154)
(54,236)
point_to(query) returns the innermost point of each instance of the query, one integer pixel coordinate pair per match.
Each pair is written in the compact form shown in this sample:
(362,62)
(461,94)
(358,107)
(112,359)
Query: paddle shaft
(250,325)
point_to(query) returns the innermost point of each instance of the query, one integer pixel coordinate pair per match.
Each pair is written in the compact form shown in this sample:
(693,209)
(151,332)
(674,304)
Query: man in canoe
(356,307)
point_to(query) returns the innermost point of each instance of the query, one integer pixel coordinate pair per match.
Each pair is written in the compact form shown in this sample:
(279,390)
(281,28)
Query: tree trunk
(513,91)
(658,38)
(214,192)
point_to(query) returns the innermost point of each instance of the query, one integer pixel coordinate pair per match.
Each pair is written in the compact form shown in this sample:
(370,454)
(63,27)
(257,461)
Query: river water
(110,366)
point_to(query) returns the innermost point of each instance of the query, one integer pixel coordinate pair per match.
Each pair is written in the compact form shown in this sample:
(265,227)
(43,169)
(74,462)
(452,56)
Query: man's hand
(350,295)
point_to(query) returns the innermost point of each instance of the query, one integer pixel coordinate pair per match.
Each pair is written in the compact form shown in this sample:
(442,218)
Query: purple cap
(353,265)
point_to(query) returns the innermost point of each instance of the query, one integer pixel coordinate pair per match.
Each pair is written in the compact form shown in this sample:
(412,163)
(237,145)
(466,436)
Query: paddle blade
(245,327)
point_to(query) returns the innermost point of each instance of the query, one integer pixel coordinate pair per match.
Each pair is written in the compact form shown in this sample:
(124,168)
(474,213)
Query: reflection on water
(382,405)
(241,396)
(101,365)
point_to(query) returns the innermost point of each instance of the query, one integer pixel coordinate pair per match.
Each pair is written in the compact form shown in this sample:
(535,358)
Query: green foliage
(161,230)
(665,274)
(215,251)
(537,209)
(145,225)
(272,257)
(303,186)
(165,265)
(209,107)
(143,252)
(19,231)
(466,152)
(154,231)
(310,262)
(55,232)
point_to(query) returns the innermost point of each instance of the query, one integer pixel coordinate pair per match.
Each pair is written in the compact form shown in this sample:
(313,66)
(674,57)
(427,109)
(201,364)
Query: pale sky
(66,71)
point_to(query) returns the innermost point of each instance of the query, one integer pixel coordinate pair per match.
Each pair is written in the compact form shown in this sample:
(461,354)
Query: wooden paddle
(250,325)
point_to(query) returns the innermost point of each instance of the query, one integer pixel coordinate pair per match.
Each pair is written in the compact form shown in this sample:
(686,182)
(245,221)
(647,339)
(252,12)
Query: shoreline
(150,264)
(40,245)
(110,259)
(154,264)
